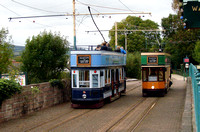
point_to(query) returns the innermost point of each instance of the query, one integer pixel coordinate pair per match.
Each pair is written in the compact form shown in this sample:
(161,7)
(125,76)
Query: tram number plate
(83,59)
(152,59)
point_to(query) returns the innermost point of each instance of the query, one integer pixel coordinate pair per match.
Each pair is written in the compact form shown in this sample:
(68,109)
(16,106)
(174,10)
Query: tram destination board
(153,59)
(83,60)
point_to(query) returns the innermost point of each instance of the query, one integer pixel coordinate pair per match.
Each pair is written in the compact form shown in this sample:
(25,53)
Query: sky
(22,29)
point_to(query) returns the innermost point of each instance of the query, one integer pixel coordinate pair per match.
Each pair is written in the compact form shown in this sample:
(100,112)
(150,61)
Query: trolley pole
(74,22)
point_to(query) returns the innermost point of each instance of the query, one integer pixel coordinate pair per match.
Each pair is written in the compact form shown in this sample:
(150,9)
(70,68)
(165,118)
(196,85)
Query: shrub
(8,88)
(56,83)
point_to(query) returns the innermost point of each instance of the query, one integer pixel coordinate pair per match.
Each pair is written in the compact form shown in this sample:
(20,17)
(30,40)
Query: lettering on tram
(84,60)
(156,75)
(152,59)
(94,80)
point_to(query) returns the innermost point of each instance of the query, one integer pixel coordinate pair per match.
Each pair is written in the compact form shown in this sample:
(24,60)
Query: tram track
(133,116)
(49,121)
(53,121)
(134,87)
(45,122)
(70,119)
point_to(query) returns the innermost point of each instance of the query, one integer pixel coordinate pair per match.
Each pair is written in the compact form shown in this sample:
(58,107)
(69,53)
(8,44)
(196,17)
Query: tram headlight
(152,87)
(84,96)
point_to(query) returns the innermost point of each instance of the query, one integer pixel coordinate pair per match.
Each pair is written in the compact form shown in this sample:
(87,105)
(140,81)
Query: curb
(186,125)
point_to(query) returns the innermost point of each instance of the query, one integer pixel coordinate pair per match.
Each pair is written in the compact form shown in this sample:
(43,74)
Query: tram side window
(144,74)
(95,80)
(161,74)
(84,78)
(108,76)
(120,74)
(101,78)
(74,80)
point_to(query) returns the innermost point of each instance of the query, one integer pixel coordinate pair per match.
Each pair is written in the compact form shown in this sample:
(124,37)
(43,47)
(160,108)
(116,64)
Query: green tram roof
(155,59)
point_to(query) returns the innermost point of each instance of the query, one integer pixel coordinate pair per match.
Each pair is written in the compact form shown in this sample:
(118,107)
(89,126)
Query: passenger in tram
(108,47)
(98,48)
(122,50)
(103,46)
(118,49)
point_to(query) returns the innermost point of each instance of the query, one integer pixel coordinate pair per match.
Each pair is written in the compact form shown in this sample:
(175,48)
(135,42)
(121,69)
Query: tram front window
(84,78)
(153,73)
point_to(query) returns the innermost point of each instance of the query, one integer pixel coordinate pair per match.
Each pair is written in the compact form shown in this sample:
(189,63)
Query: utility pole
(125,41)
(74,22)
(115,35)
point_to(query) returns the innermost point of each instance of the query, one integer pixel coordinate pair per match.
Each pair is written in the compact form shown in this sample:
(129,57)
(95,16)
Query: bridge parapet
(195,77)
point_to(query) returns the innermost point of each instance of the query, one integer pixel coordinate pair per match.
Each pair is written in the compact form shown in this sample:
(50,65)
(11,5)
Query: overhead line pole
(74,23)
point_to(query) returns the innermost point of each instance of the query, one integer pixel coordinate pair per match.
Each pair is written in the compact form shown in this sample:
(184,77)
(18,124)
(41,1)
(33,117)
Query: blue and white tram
(96,76)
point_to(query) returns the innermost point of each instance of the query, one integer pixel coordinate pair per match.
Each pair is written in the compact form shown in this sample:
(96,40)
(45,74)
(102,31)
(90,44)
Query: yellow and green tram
(156,74)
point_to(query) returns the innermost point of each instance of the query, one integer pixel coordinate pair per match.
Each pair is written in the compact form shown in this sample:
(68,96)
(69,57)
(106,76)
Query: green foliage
(44,57)
(8,88)
(35,90)
(178,41)
(196,54)
(6,51)
(57,83)
(136,41)
(133,65)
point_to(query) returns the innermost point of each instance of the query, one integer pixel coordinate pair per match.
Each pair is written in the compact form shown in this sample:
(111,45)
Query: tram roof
(103,52)
(97,58)
(155,53)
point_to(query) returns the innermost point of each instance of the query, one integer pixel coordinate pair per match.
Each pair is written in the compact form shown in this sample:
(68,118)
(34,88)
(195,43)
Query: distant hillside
(18,50)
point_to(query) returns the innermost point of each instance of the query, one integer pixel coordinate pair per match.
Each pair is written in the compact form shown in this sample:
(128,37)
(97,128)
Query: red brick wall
(26,102)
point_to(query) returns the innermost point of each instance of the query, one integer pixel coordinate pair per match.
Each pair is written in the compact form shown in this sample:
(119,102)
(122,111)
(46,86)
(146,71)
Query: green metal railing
(195,77)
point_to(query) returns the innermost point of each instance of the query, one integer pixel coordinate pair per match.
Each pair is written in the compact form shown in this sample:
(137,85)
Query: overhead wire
(10,10)
(20,15)
(35,7)
(125,6)
(102,6)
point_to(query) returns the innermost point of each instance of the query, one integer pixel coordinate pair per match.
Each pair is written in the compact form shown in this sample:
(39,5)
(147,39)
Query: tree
(6,51)
(44,57)
(179,42)
(133,65)
(139,40)
(196,54)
